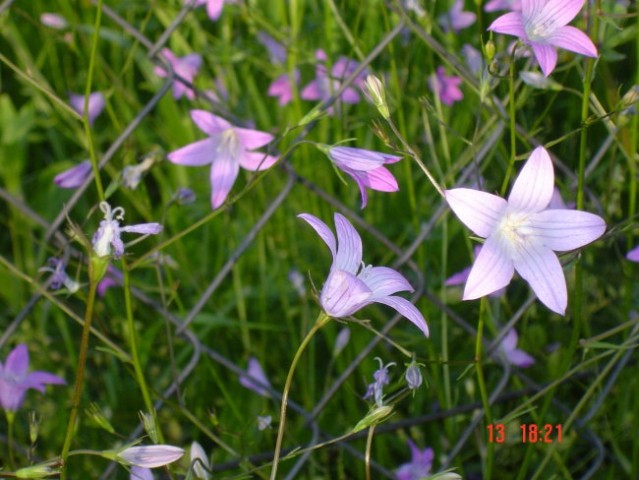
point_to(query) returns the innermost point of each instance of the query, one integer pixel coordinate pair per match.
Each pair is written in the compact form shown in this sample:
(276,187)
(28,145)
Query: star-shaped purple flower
(522,232)
(15,379)
(456,18)
(447,87)
(227,149)
(366,167)
(514,355)
(350,284)
(185,67)
(419,466)
(543,25)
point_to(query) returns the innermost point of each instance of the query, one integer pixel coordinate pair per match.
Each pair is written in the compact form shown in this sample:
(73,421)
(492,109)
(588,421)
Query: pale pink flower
(514,355)
(15,379)
(522,234)
(255,379)
(150,456)
(140,473)
(227,149)
(446,87)
(185,67)
(213,7)
(456,18)
(494,5)
(543,25)
(351,285)
(282,87)
(366,167)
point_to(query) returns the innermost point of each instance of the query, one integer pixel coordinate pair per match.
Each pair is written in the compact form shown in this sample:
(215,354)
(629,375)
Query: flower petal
(384,281)
(255,378)
(559,12)
(343,294)
(533,187)
(573,39)
(540,267)
(75,176)
(356,158)
(509,24)
(209,123)
(633,255)
(252,139)
(312,91)
(224,170)
(39,379)
(143,228)
(406,309)
(479,211)
(322,230)
(546,56)
(519,358)
(214,8)
(493,269)
(195,154)
(256,161)
(17,362)
(151,456)
(509,342)
(349,246)
(564,230)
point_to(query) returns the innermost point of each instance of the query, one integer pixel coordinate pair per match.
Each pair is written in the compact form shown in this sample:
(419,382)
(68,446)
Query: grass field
(200,131)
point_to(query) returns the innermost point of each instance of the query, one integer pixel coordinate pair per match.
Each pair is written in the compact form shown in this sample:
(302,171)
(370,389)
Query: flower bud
(375,93)
(374,417)
(413,376)
(41,470)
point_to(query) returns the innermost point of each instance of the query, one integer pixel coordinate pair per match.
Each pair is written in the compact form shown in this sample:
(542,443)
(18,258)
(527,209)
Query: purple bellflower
(199,462)
(419,466)
(381,378)
(227,149)
(522,234)
(514,355)
(447,87)
(96,104)
(456,18)
(107,241)
(325,84)
(350,284)
(255,378)
(185,67)
(74,176)
(366,167)
(282,87)
(633,255)
(542,25)
(15,379)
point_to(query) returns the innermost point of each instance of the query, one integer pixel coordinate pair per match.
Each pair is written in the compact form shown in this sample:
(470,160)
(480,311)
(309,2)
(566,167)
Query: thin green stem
(10,417)
(513,124)
(412,153)
(79,377)
(322,319)
(367,454)
(483,311)
(87,91)
(133,346)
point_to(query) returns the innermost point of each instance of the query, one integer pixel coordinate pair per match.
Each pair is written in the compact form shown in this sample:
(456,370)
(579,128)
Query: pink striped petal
(546,56)
(224,170)
(540,267)
(195,154)
(559,12)
(384,281)
(534,186)
(406,309)
(563,230)
(509,24)
(493,269)
(322,230)
(479,211)
(349,246)
(209,123)
(343,294)
(574,40)
(252,139)
(256,161)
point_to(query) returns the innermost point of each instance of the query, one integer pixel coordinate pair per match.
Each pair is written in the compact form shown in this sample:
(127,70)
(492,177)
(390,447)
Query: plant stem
(10,417)
(135,357)
(513,125)
(79,377)
(322,319)
(483,307)
(367,457)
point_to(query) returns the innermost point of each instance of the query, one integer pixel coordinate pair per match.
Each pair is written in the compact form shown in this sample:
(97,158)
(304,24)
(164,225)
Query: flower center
(539,29)
(229,143)
(515,228)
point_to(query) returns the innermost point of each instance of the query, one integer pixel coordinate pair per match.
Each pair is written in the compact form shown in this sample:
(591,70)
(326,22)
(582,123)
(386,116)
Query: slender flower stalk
(322,320)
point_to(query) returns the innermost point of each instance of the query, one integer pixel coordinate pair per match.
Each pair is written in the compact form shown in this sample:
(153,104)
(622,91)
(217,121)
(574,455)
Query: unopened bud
(148,421)
(34,427)
(489,51)
(413,376)
(374,417)
(95,414)
(375,93)
(41,470)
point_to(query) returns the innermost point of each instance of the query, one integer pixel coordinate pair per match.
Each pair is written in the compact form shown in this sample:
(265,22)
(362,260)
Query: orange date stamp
(528,433)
